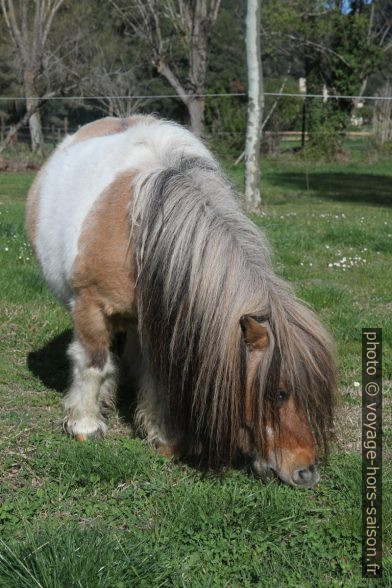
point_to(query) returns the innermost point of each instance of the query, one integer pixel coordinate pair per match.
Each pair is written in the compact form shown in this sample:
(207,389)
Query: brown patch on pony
(103,272)
(32,210)
(109,125)
(136,119)
(297,446)
(296,434)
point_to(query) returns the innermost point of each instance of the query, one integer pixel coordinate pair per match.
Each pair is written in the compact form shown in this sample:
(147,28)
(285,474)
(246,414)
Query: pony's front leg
(93,374)
(152,418)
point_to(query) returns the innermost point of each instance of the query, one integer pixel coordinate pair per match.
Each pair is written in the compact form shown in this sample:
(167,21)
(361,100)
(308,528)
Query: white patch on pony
(91,387)
(77,174)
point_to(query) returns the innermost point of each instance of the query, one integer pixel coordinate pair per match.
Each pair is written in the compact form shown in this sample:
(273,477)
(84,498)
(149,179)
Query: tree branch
(11,23)
(167,73)
(49,20)
(270,113)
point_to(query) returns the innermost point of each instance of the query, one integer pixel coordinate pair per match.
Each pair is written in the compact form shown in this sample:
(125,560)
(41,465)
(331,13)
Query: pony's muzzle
(306,476)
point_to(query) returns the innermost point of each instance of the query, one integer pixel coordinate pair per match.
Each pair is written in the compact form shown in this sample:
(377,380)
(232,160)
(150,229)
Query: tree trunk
(255,106)
(12,133)
(35,119)
(196,114)
(382,117)
(198,58)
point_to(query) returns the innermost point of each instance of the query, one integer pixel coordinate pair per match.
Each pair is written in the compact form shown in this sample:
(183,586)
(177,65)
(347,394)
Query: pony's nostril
(305,476)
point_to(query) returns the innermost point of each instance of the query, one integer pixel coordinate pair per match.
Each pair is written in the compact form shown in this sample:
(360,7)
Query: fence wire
(210,95)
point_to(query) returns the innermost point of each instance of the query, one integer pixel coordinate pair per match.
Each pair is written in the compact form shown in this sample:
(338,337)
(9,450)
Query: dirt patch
(348,421)
(348,428)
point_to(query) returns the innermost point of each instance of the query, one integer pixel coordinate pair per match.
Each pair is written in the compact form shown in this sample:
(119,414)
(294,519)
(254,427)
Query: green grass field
(114,513)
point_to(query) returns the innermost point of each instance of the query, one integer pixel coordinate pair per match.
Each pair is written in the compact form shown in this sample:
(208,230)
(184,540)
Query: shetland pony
(137,229)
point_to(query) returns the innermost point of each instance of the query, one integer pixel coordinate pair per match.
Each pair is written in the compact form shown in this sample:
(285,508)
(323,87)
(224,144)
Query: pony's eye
(281,397)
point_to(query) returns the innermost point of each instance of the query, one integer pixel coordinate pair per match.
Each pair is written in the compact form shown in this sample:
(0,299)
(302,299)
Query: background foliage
(94,50)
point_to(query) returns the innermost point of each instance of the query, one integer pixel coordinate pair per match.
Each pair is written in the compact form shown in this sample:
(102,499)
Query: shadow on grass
(351,187)
(50,364)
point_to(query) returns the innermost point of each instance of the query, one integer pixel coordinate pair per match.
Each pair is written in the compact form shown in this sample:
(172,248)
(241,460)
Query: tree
(338,47)
(379,33)
(382,116)
(115,85)
(353,55)
(164,22)
(255,105)
(13,131)
(29,26)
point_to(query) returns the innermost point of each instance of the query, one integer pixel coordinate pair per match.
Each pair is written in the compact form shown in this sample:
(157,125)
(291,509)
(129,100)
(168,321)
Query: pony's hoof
(166,450)
(85,429)
(96,436)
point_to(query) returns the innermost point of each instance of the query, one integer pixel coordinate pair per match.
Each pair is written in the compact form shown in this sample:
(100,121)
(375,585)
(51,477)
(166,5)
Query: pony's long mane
(202,265)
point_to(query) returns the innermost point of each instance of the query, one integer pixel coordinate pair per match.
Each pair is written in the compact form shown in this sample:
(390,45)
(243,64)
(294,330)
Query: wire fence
(208,95)
(278,137)
(275,133)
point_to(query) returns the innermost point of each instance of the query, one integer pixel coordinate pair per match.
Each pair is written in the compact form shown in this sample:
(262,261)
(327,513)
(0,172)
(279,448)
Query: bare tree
(116,86)
(24,120)
(193,23)
(255,105)
(29,23)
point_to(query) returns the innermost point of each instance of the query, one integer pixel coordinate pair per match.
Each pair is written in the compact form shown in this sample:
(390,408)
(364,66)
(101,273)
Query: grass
(115,514)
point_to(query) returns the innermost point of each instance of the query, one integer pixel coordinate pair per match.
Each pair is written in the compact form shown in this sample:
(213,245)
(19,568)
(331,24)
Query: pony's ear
(255,334)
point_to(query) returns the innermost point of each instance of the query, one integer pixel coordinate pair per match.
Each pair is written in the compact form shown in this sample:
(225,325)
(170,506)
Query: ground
(116,514)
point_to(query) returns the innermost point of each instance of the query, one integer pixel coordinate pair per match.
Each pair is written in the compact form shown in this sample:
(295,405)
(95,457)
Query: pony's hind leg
(93,373)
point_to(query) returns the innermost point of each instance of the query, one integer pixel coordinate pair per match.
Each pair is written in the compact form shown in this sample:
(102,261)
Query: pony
(138,231)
